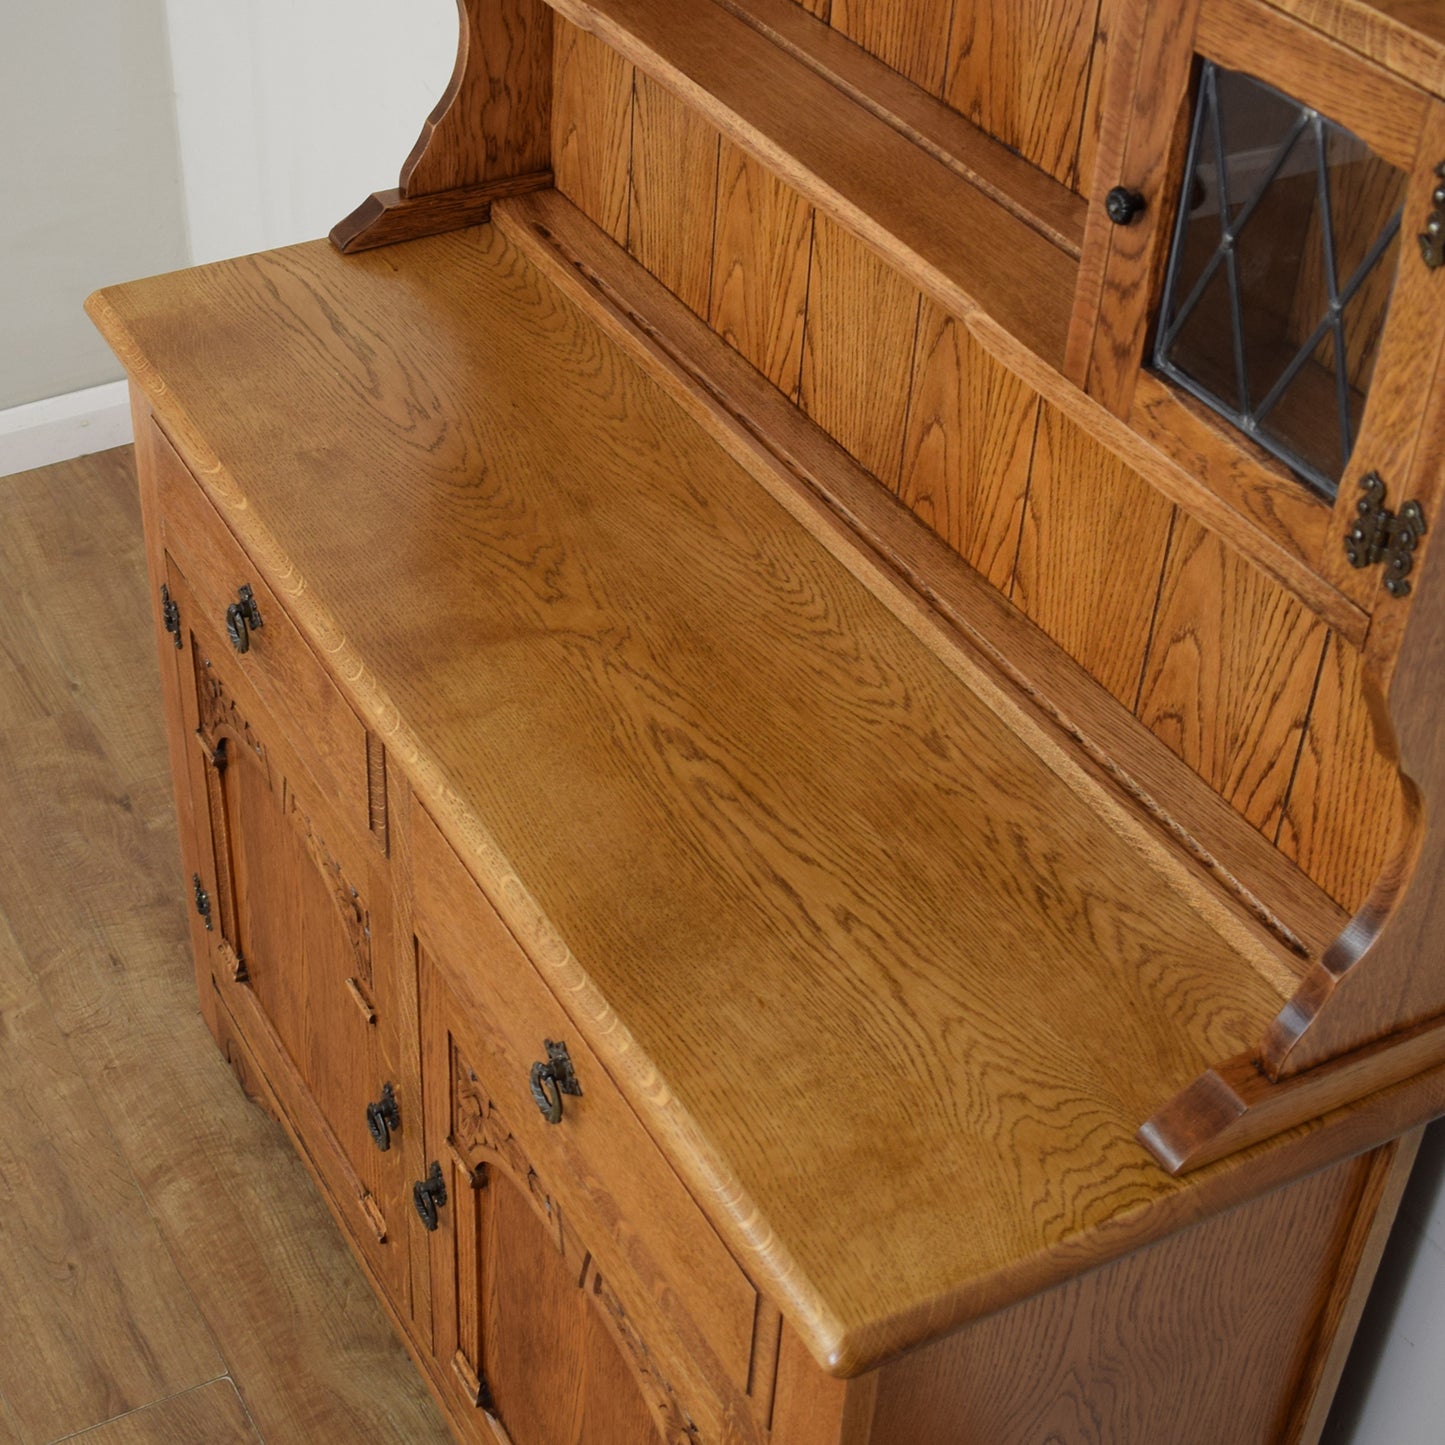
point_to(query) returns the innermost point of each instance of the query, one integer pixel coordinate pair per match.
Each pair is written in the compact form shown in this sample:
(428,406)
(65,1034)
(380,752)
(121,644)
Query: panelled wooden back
(1230,670)
(1026,71)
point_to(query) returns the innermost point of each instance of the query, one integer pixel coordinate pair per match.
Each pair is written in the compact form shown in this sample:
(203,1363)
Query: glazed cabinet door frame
(1153,82)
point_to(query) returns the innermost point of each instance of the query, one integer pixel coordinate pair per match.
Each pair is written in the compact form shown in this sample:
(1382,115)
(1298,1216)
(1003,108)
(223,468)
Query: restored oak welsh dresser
(803,681)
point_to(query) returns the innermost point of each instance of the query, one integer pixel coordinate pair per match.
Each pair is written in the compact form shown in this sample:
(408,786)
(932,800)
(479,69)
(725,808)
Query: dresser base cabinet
(810,852)
(1233,1329)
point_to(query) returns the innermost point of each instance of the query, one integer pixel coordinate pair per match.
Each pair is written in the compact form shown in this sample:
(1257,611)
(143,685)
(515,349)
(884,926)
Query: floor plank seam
(149,1405)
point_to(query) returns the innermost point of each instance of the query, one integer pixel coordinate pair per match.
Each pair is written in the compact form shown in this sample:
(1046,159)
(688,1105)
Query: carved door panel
(293,901)
(525,1326)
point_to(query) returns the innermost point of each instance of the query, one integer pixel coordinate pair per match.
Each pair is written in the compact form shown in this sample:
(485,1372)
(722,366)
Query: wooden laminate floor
(168,1275)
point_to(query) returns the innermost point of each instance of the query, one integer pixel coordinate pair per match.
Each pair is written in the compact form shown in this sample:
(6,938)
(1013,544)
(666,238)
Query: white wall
(91,183)
(292,113)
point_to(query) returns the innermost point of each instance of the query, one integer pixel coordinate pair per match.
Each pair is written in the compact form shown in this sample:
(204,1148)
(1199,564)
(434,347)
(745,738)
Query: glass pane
(1281,270)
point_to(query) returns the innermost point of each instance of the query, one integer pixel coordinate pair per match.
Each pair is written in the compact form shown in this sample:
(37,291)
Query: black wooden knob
(1123,205)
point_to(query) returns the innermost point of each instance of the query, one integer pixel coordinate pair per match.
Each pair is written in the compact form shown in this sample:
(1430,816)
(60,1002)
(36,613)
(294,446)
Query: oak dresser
(802,680)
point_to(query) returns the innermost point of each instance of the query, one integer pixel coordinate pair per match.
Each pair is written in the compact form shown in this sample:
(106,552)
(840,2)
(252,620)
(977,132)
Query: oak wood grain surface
(968,455)
(911,36)
(986,454)
(1094,540)
(1406,36)
(946,236)
(92,891)
(490,130)
(1258,506)
(592,126)
(674,192)
(996,168)
(968,446)
(1024,80)
(1231,673)
(493,121)
(650,710)
(763,242)
(1192,1306)
(909,567)
(858,349)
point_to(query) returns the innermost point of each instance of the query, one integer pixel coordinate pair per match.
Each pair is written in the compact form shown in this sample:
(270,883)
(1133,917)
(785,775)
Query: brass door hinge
(1380,535)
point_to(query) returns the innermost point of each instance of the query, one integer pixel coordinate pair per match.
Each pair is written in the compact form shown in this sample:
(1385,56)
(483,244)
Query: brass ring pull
(552,1078)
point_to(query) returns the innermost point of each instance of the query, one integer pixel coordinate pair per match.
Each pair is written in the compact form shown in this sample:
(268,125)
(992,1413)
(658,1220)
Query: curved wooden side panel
(489,135)
(1371,1012)
(1385,972)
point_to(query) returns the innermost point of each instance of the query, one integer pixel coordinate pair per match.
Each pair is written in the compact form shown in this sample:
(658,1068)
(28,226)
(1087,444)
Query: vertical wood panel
(764,237)
(1201,1339)
(1091,553)
(858,349)
(592,127)
(674,193)
(909,35)
(1342,808)
(1231,673)
(968,445)
(1021,71)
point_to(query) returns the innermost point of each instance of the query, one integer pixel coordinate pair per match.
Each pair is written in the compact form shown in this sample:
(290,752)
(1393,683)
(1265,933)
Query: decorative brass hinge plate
(1380,535)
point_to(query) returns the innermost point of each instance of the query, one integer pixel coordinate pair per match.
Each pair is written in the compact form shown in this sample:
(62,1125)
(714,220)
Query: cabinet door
(525,1325)
(292,904)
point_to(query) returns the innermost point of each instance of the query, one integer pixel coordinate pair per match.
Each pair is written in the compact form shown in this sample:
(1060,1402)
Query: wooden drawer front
(279,664)
(664,1259)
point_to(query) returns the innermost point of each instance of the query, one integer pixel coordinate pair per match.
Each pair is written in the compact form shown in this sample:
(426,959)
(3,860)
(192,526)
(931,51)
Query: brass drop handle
(242,618)
(551,1079)
(382,1117)
(429,1195)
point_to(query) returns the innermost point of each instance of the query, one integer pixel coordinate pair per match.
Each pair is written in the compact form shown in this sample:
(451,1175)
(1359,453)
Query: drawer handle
(552,1079)
(242,618)
(382,1117)
(429,1195)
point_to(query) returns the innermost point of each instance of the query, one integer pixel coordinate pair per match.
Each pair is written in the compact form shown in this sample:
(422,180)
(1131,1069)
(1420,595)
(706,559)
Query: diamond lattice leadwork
(1280,273)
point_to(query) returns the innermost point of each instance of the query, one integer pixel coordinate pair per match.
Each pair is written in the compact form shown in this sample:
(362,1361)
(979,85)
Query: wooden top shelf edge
(648,707)
(1031,194)
(951,237)
(1406,37)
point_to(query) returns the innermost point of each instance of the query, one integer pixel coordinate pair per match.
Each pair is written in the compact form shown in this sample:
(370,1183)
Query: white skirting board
(61,427)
